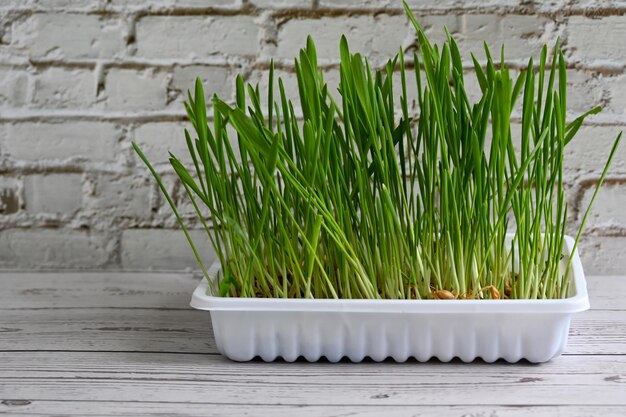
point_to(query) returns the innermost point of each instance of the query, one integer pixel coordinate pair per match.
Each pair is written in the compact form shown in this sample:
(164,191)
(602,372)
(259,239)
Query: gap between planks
(577,381)
(189,331)
(208,409)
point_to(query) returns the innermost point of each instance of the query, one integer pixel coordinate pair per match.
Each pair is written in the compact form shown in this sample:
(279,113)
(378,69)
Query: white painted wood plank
(127,314)
(134,409)
(172,290)
(598,332)
(107,330)
(165,366)
(592,332)
(96,289)
(571,380)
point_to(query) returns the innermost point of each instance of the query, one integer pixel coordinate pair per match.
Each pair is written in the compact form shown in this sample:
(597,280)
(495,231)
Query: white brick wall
(68,36)
(49,248)
(41,193)
(162,249)
(196,37)
(57,87)
(61,141)
(585,38)
(80,79)
(129,89)
(380,36)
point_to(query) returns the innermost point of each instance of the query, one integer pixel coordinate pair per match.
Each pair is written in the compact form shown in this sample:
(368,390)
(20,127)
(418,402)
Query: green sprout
(359,198)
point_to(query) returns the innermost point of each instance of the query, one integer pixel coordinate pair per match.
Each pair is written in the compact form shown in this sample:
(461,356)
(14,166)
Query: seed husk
(444,295)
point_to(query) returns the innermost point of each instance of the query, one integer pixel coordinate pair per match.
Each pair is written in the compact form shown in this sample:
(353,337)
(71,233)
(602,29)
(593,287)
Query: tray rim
(202,300)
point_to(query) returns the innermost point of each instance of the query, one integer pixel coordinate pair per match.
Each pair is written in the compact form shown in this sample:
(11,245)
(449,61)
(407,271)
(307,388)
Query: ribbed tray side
(243,335)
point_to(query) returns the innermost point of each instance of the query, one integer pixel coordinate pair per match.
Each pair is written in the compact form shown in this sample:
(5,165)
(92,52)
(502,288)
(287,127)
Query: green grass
(357,199)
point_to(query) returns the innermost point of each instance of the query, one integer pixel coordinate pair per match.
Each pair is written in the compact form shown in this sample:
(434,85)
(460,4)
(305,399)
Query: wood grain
(119,329)
(173,290)
(189,331)
(207,409)
(109,344)
(573,380)
(96,289)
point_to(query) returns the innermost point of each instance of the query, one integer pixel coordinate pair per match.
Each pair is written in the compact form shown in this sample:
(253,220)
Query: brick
(164,249)
(588,151)
(216,80)
(186,209)
(6,257)
(161,206)
(137,91)
(63,88)
(603,255)
(10,195)
(376,37)
(597,6)
(53,193)
(176,3)
(181,199)
(617,94)
(13,87)
(607,212)
(96,141)
(51,4)
(360,4)
(596,39)
(584,91)
(57,36)
(415,5)
(552,5)
(157,139)
(53,248)
(523,36)
(278,4)
(380,38)
(189,37)
(112,195)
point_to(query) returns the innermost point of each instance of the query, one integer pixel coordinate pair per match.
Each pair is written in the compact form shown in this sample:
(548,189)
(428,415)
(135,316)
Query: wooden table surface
(127,344)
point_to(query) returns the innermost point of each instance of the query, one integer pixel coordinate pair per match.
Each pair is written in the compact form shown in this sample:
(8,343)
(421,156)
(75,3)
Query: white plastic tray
(535,330)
